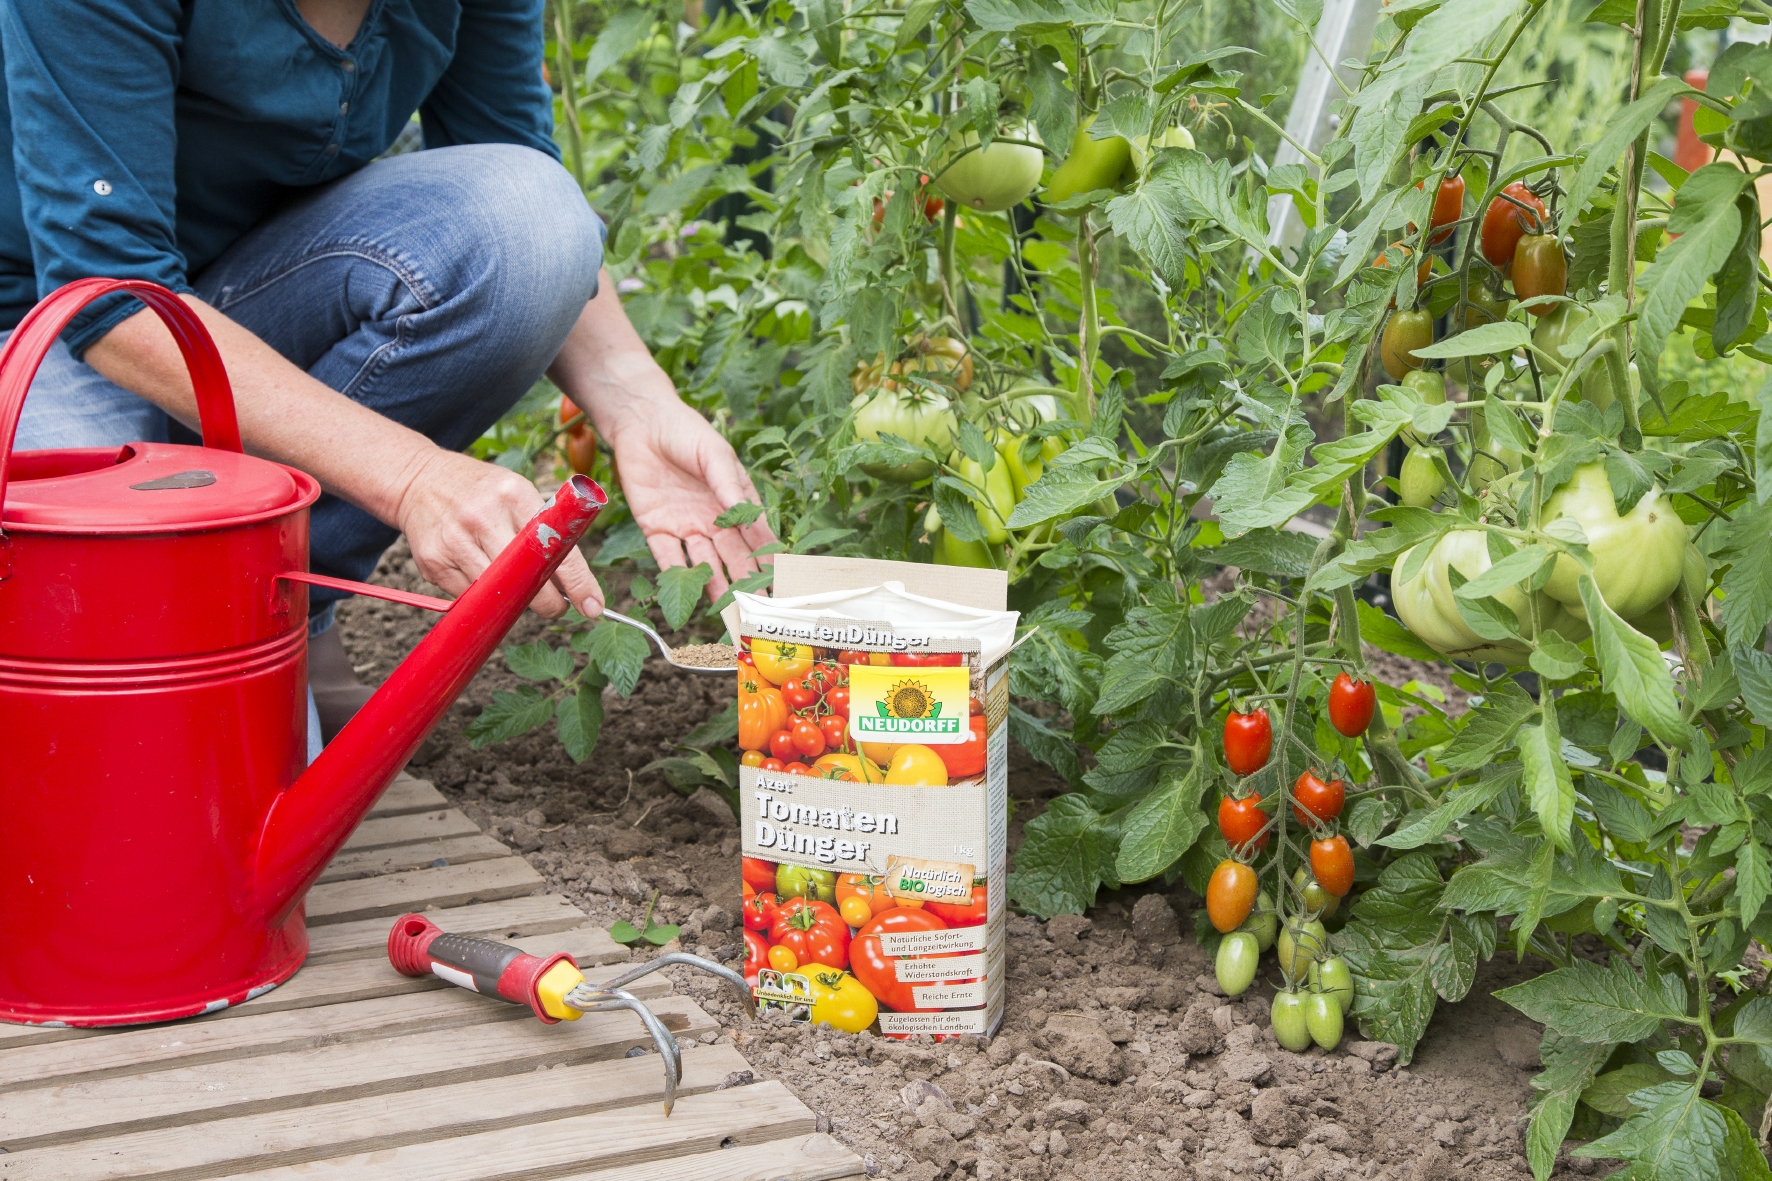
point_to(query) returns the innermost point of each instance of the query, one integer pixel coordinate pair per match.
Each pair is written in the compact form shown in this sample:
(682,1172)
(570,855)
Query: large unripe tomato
(814,931)
(951,551)
(1406,332)
(995,177)
(1560,324)
(1505,223)
(1092,164)
(1230,895)
(779,662)
(1332,864)
(1539,269)
(915,765)
(920,417)
(1322,1016)
(1426,605)
(1448,207)
(940,358)
(1312,796)
(1240,821)
(1290,1029)
(1175,137)
(1351,705)
(1235,964)
(998,499)
(1420,483)
(1248,741)
(1638,558)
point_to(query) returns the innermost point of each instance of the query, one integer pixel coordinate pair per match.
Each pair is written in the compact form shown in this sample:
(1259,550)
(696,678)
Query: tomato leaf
(1633,670)
(1596,1004)
(1753,882)
(539,662)
(1546,778)
(1272,552)
(1484,340)
(1161,827)
(619,37)
(1151,219)
(1488,728)
(1708,222)
(1747,586)
(1423,827)
(1680,1134)
(739,515)
(1569,1068)
(1382,631)
(509,715)
(619,651)
(1621,129)
(1061,489)
(1063,860)
(1517,567)
(679,590)
(1391,944)
(1737,281)
(579,717)
(716,729)
(1045,744)
(1555,658)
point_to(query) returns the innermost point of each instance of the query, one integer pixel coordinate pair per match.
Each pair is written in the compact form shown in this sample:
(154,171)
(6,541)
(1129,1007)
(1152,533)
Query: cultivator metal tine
(689,961)
(589,999)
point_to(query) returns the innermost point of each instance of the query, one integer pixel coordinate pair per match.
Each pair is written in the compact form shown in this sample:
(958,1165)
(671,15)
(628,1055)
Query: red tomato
(965,758)
(1332,864)
(800,694)
(974,706)
(928,659)
(826,676)
(1351,704)
(1321,800)
(781,745)
(760,910)
(813,931)
(747,658)
(878,971)
(756,956)
(1248,741)
(771,765)
(1505,223)
(797,768)
(1540,269)
(1448,207)
(838,700)
(853,656)
(973,914)
(835,728)
(1240,820)
(808,739)
(759,873)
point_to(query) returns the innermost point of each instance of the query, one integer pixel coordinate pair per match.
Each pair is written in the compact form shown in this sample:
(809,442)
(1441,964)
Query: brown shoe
(338,695)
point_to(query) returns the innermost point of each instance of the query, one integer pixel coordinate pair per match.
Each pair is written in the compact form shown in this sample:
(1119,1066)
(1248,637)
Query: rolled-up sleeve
(493,91)
(90,84)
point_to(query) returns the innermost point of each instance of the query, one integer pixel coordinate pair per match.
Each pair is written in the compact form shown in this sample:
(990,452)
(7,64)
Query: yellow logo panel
(923,704)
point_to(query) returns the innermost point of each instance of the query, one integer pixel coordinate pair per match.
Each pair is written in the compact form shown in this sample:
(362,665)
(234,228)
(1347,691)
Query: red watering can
(155,814)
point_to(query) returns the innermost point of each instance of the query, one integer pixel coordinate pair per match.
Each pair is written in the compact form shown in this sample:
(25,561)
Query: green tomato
(1492,461)
(1430,386)
(992,178)
(1299,944)
(1092,164)
(1318,902)
(1238,954)
(1175,137)
(1655,622)
(1568,323)
(1322,1016)
(999,499)
(1420,479)
(1263,922)
(1290,1028)
(919,417)
(796,881)
(951,551)
(1639,558)
(1333,977)
(1426,605)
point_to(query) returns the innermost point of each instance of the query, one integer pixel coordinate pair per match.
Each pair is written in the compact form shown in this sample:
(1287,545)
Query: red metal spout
(311,820)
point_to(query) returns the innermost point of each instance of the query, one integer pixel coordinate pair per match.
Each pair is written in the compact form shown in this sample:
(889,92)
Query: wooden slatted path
(352,1071)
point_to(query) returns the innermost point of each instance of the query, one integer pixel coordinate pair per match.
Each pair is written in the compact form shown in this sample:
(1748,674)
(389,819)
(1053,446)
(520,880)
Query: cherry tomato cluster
(1246,916)
(795,916)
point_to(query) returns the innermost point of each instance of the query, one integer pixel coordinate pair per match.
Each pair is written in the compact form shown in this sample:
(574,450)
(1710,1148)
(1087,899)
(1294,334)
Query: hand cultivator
(552,985)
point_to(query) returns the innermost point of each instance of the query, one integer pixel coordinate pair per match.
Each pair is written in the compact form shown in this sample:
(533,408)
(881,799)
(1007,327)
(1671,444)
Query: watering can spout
(316,815)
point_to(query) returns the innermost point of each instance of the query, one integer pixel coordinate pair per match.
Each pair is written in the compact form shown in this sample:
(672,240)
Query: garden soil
(1117,1057)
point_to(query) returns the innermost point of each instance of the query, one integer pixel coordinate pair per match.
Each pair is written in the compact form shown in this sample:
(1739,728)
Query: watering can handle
(31,340)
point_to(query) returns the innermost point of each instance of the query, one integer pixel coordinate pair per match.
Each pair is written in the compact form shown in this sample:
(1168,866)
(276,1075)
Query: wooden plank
(371,863)
(270,1139)
(359,979)
(70,1111)
(379,833)
(455,885)
(514,918)
(407,795)
(757,1114)
(817,1157)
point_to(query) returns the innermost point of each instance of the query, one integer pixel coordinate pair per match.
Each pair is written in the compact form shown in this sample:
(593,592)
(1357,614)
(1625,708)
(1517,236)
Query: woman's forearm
(606,369)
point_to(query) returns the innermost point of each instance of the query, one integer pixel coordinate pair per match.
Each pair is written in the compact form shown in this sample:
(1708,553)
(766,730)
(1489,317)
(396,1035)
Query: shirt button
(347,65)
(344,108)
(102,187)
(332,149)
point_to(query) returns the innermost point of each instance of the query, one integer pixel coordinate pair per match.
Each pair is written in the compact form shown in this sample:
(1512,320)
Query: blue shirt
(141,138)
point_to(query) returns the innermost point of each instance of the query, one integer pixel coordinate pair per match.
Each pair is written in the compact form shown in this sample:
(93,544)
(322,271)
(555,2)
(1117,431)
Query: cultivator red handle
(419,947)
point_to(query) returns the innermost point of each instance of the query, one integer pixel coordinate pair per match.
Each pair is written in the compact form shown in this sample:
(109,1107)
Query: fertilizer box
(874,778)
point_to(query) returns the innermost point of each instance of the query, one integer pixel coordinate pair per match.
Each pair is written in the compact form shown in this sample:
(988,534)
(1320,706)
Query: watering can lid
(146,487)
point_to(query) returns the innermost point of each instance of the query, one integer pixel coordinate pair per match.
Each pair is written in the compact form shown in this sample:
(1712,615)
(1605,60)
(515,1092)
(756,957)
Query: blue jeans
(433,287)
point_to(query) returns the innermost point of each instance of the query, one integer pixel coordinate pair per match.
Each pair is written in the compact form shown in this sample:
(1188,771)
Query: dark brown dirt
(1116,1058)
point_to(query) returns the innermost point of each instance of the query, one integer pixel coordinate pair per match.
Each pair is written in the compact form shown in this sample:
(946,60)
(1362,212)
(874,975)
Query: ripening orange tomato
(1230,895)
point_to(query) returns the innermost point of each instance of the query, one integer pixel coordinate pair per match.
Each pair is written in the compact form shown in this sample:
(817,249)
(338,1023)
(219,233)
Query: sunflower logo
(910,699)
